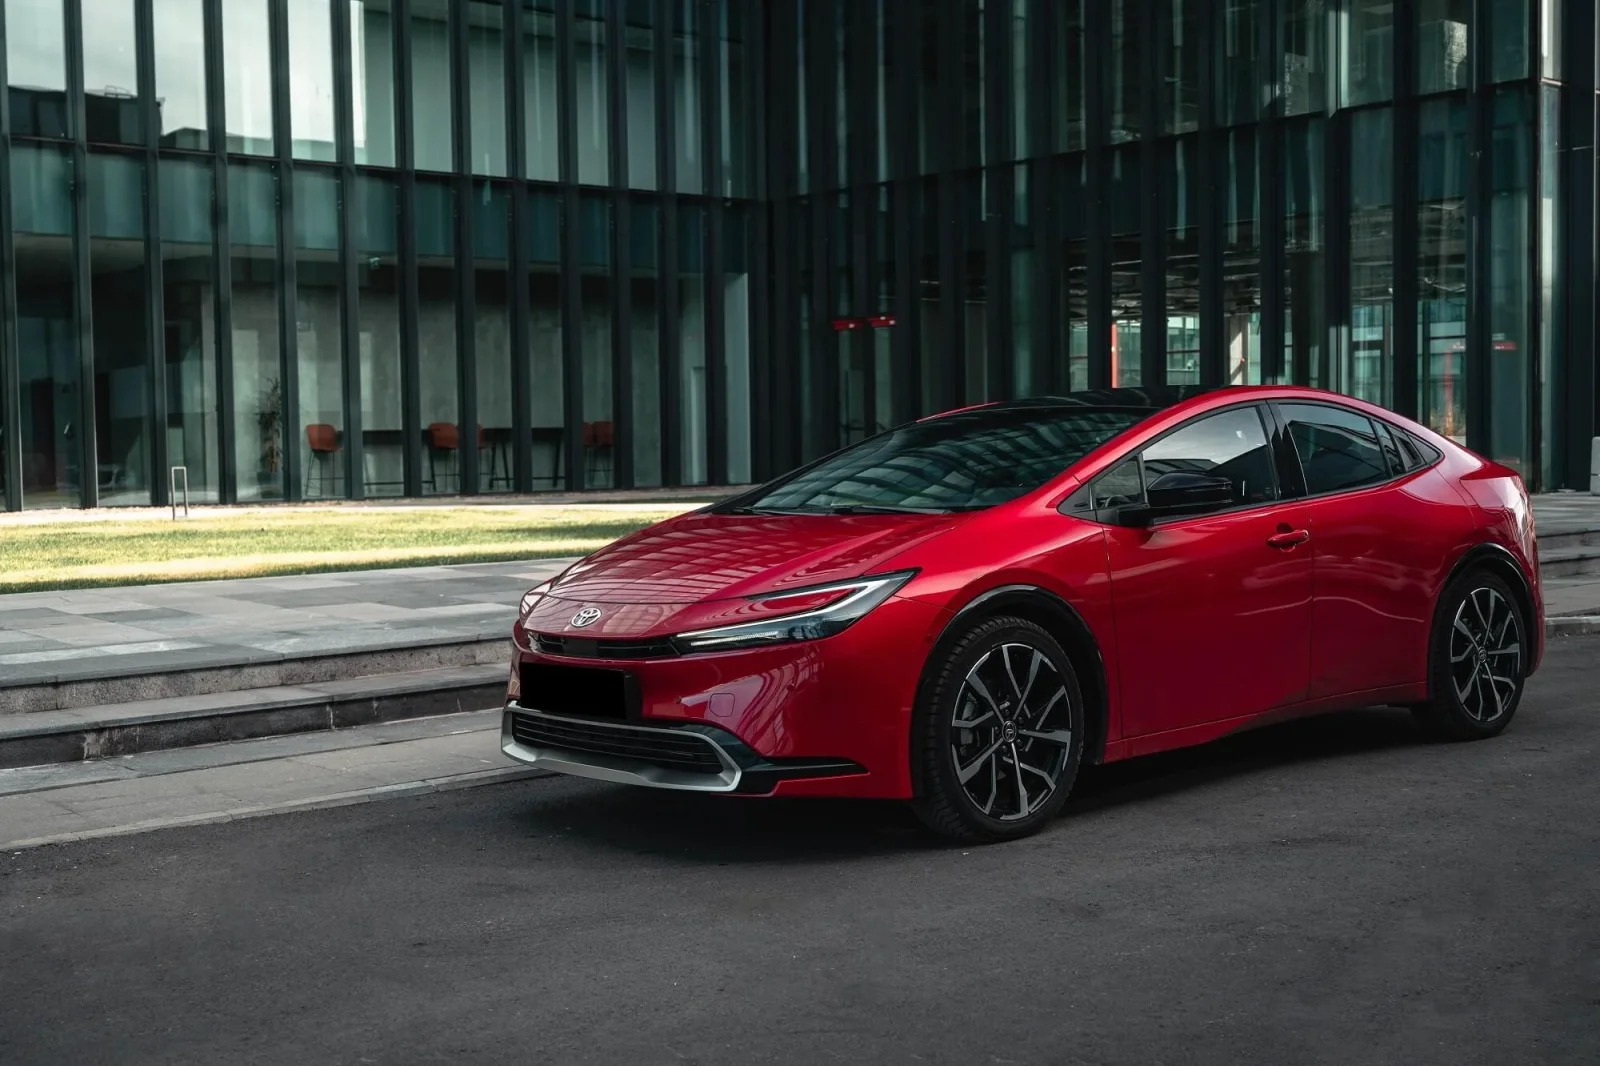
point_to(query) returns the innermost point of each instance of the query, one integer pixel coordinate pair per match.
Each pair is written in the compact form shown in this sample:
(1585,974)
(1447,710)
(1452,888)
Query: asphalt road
(1331,891)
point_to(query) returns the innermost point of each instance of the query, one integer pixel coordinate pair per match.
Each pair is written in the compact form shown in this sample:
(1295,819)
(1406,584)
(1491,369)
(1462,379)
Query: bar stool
(443,439)
(598,438)
(324,442)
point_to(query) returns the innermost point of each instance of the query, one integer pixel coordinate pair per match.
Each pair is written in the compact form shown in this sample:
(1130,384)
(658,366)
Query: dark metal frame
(10,374)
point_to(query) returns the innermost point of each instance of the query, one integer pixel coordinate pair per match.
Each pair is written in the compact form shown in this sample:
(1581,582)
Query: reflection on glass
(112,113)
(1305,252)
(1304,79)
(486,70)
(736,102)
(1369,344)
(1072,205)
(1071,121)
(1552,424)
(974,106)
(1552,18)
(1027,376)
(540,111)
(180,42)
(1443,166)
(975,278)
(1510,286)
(644,341)
(1366,52)
(1508,36)
(492,296)
(1183,263)
(550,438)
(594,262)
(1239,90)
(1180,104)
(641,76)
(594,110)
(383,442)
(47,334)
(311,122)
(1127,291)
(259,433)
(319,432)
(931,339)
(36,67)
(247,77)
(1127,82)
(123,433)
(443,436)
(188,280)
(1241,253)
(1443,45)
(687,65)
(432,126)
(372,81)
(692,387)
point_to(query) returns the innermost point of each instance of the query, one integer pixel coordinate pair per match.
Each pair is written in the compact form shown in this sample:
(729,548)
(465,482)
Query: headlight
(818,612)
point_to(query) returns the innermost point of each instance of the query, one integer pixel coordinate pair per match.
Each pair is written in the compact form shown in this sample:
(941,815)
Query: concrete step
(99,731)
(1568,561)
(88,680)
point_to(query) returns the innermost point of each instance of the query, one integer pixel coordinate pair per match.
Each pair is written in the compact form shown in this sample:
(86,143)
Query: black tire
(1477,660)
(1021,728)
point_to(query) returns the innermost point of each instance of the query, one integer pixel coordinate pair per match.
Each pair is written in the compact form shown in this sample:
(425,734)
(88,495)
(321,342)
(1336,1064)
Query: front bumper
(818,718)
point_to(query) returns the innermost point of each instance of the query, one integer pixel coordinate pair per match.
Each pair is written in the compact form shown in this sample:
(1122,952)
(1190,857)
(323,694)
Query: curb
(474,779)
(1572,625)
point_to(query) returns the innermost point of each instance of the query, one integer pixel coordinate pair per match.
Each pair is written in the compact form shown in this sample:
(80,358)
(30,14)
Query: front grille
(586,648)
(667,749)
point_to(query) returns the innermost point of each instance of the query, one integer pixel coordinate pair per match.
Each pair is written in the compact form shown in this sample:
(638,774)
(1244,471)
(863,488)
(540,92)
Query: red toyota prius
(963,611)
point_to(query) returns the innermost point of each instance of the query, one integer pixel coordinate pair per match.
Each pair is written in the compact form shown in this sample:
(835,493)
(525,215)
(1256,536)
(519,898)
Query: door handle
(1290,538)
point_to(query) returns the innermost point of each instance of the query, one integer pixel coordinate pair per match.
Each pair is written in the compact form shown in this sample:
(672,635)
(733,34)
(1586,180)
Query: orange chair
(598,440)
(444,439)
(325,444)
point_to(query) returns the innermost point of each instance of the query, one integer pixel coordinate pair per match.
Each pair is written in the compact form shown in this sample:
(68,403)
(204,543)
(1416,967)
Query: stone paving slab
(48,637)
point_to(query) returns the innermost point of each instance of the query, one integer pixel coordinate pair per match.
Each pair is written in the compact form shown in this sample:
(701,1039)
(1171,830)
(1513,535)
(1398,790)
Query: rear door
(1383,528)
(1212,610)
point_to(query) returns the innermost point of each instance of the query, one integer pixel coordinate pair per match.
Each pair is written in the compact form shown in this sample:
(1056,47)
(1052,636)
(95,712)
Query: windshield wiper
(870,508)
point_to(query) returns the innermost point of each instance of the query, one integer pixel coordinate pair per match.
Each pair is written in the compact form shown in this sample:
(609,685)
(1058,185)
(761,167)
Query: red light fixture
(840,325)
(881,321)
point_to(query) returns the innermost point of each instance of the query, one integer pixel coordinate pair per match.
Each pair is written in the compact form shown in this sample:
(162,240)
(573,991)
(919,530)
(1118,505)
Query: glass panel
(931,346)
(1127,292)
(931,119)
(1510,286)
(974,112)
(1365,369)
(1126,79)
(1027,376)
(438,374)
(644,341)
(686,73)
(1552,299)
(123,456)
(736,102)
(841,102)
(486,71)
(692,343)
(1069,88)
(1304,79)
(540,112)
(802,154)
(1366,52)
(432,124)
(492,296)
(1305,339)
(854,358)
(319,434)
(1508,37)
(594,261)
(247,77)
(1024,22)
(975,278)
(188,281)
(1443,166)
(180,43)
(258,401)
(1183,260)
(1229,444)
(1240,91)
(1552,18)
(1180,86)
(36,68)
(378,326)
(1241,254)
(735,416)
(311,121)
(112,110)
(1338,449)
(1443,50)
(372,78)
(47,328)
(882,338)
(594,94)
(1073,206)
(550,438)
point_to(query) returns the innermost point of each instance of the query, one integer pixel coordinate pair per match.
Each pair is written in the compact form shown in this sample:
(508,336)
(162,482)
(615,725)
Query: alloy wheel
(1485,654)
(1010,732)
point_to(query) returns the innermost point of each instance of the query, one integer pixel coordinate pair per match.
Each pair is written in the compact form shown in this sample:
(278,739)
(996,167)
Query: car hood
(708,556)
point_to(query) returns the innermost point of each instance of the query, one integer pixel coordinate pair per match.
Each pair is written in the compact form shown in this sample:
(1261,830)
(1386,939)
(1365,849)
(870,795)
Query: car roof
(1145,399)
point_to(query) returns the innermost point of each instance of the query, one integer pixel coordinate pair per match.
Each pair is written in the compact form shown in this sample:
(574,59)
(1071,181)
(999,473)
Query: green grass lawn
(89,553)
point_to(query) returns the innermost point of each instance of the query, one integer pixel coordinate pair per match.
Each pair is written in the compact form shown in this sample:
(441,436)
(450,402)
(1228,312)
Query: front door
(1213,611)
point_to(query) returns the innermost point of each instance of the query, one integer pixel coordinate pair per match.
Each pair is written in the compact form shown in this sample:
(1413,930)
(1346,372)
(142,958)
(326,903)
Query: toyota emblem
(586,617)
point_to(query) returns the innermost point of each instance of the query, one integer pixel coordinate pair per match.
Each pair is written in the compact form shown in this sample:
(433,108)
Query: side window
(1338,449)
(1391,449)
(1119,486)
(1230,444)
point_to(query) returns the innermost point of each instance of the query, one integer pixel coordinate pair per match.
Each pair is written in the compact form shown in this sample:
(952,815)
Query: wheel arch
(1499,561)
(1062,621)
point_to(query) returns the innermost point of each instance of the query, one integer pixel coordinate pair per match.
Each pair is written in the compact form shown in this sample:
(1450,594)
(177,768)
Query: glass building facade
(356,248)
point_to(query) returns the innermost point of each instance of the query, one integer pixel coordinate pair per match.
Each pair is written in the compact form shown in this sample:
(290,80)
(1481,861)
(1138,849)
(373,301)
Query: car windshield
(962,462)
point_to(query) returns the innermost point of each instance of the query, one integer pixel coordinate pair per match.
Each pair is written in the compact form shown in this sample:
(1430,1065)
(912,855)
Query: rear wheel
(1478,660)
(998,733)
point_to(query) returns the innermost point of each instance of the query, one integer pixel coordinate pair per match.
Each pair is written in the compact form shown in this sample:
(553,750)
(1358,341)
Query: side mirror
(1180,492)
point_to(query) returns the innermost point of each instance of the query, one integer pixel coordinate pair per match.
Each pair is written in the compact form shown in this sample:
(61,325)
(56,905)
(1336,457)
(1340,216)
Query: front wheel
(998,733)
(1478,660)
